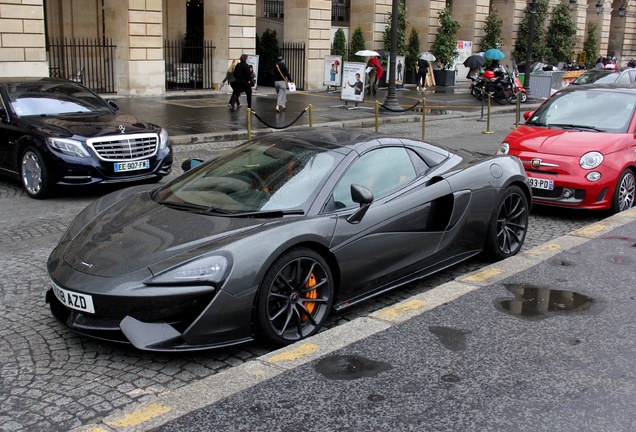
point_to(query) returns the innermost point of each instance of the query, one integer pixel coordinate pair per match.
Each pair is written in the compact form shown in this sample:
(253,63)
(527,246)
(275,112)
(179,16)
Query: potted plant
(444,48)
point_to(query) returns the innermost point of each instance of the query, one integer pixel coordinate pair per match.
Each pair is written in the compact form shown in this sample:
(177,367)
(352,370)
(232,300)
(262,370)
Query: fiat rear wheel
(624,192)
(295,297)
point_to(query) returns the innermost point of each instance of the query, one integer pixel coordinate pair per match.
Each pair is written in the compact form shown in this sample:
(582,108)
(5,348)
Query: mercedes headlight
(69,147)
(163,139)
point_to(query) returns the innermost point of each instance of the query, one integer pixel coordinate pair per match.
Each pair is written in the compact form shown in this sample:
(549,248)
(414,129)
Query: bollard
(483,90)
(488,131)
(311,121)
(423,117)
(517,110)
(377,110)
(249,124)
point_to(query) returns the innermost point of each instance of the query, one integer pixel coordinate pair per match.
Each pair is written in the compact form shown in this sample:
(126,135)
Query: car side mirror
(362,196)
(188,164)
(113,104)
(527,114)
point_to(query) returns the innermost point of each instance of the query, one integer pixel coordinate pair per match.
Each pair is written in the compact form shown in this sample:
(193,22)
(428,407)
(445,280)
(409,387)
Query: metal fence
(273,9)
(188,64)
(88,61)
(294,54)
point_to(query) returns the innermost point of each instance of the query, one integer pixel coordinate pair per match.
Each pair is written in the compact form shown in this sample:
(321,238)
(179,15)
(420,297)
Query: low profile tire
(295,297)
(34,174)
(508,225)
(624,192)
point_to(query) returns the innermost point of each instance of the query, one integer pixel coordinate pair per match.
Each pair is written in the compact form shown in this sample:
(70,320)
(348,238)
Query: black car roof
(19,80)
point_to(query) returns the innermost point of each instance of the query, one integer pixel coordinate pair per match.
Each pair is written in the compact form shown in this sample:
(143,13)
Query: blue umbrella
(494,54)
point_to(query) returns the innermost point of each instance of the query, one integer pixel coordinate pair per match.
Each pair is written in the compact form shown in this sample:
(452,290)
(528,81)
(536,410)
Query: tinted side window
(381,171)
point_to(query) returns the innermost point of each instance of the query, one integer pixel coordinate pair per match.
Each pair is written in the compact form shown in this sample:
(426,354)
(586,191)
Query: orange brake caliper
(310,295)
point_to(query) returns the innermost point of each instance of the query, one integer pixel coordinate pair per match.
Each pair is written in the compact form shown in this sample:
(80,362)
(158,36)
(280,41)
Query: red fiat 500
(579,148)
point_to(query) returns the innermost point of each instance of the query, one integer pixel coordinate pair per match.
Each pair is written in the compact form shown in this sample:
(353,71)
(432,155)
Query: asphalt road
(52,379)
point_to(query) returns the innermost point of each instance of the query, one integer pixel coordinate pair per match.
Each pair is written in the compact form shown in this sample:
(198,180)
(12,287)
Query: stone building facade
(138,29)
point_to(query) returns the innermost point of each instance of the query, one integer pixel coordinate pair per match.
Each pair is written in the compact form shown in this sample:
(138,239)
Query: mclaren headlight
(210,269)
(68,146)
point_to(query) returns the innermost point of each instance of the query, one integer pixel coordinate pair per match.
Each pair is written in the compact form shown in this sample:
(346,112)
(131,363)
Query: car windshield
(54,99)
(587,110)
(266,175)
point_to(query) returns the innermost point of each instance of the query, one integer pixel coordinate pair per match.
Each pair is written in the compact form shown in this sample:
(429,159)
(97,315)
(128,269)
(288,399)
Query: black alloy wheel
(508,225)
(295,297)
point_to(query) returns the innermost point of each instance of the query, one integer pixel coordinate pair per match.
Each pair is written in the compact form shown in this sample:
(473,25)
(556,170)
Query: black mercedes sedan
(265,240)
(58,132)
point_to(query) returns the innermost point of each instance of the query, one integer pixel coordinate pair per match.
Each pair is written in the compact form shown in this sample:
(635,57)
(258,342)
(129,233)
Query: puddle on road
(350,367)
(537,302)
(451,338)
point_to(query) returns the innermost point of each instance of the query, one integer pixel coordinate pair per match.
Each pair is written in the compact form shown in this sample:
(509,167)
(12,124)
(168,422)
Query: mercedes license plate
(132,166)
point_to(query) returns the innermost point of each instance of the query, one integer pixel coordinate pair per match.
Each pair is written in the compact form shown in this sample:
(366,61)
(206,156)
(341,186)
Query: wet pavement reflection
(536,302)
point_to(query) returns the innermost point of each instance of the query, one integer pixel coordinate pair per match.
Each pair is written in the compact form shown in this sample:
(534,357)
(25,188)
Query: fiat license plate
(77,301)
(542,183)
(132,166)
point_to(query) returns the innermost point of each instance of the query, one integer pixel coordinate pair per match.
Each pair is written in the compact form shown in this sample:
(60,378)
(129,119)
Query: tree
(538,42)
(560,38)
(339,46)
(590,46)
(444,47)
(267,51)
(492,31)
(357,44)
(401,31)
(412,49)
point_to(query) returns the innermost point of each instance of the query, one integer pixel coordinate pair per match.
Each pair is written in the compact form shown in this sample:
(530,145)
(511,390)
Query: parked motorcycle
(501,86)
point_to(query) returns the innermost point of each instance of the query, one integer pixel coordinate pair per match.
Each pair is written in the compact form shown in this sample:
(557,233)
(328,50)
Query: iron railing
(294,54)
(87,61)
(340,12)
(188,64)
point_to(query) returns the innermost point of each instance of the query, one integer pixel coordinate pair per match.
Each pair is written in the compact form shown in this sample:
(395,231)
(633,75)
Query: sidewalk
(203,116)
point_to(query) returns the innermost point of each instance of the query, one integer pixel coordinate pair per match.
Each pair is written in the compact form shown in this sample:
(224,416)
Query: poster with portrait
(333,70)
(252,60)
(353,78)
(400,69)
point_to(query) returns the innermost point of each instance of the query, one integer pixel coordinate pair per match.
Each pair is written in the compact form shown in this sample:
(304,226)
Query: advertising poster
(465,49)
(400,70)
(353,77)
(252,60)
(333,70)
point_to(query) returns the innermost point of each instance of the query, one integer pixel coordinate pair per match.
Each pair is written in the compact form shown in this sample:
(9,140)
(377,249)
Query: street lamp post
(391,101)
(533,13)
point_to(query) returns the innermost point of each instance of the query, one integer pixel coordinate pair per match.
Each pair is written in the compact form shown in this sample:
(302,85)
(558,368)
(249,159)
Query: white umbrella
(367,53)
(427,56)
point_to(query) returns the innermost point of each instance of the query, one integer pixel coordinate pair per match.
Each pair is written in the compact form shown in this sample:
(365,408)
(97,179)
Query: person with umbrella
(474,63)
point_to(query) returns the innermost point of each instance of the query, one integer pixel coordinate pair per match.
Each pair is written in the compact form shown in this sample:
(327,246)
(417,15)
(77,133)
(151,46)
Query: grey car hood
(137,233)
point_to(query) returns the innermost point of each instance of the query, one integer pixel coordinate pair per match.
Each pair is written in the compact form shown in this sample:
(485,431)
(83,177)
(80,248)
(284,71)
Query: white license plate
(77,301)
(542,183)
(132,166)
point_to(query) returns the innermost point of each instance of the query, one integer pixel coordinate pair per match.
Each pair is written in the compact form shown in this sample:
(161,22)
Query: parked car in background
(266,239)
(57,132)
(579,148)
(607,76)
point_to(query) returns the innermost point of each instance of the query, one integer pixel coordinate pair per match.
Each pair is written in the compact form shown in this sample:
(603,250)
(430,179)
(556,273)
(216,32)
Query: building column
(22,42)
(309,21)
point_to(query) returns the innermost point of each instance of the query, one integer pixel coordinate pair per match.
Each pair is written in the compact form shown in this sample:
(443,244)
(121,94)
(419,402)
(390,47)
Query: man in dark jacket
(422,69)
(242,83)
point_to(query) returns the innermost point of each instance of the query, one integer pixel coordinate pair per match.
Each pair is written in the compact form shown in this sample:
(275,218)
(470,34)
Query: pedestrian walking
(243,82)
(283,77)
(229,74)
(422,69)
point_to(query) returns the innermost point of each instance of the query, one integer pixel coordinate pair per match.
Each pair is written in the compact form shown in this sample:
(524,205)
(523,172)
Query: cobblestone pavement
(52,379)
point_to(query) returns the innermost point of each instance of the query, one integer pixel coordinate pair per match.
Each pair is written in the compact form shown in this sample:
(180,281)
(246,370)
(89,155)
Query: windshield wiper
(535,123)
(197,208)
(269,213)
(575,126)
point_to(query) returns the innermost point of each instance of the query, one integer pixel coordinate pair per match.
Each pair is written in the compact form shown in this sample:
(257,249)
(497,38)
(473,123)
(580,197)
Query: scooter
(518,89)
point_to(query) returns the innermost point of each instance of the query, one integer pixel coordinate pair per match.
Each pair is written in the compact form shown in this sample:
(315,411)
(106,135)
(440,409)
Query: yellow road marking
(294,353)
(550,247)
(591,230)
(396,311)
(141,415)
(483,275)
